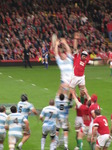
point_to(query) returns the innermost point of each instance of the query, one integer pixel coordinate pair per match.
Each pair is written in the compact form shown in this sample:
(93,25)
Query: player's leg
(46,61)
(12,142)
(52,145)
(57,136)
(78,125)
(2,138)
(53,137)
(65,138)
(43,140)
(26,136)
(92,144)
(80,140)
(83,91)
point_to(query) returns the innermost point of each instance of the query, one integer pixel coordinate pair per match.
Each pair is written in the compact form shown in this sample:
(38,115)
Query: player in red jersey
(92,108)
(110,62)
(100,126)
(86,120)
(80,61)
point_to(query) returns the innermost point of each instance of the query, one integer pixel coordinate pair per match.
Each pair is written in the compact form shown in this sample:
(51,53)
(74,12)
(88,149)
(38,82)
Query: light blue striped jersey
(50,114)
(15,121)
(65,66)
(3,118)
(24,108)
(63,106)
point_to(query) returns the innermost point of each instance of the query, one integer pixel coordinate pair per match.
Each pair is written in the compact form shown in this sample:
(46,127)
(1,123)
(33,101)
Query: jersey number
(20,109)
(61,107)
(16,120)
(105,122)
(51,113)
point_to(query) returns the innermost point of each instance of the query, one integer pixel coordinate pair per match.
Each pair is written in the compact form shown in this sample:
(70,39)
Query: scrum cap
(94,98)
(84,53)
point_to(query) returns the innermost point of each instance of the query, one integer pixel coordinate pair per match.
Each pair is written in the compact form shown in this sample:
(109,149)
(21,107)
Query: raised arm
(56,47)
(75,41)
(63,41)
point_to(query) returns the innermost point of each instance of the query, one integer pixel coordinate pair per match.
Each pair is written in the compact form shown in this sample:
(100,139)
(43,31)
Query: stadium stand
(33,21)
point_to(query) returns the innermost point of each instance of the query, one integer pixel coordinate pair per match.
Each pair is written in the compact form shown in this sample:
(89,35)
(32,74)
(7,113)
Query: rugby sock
(66,141)
(52,145)
(80,144)
(20,144)
(82,100)
(57,141)
(46,65)
(43,143)
(1,146)
(93,146)
(90,145)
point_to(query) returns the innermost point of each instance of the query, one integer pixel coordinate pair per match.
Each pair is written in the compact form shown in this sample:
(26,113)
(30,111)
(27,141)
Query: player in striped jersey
(62,103)
(49,115)
(65,63)
(14,124)
(25,108)
(3,117)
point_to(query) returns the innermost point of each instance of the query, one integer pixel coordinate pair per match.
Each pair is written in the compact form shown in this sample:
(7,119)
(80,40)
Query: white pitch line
(46,89)
(0,73)
(21,80)
(10,76)
(33,85)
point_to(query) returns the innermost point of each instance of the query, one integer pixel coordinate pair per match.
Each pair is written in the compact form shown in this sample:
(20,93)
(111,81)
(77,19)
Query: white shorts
(103,141)
(90,128)
(51,129)
(2,137)
(85,129)
(66,80)
(13,140)
(62,124)
(76,80)
(78,123)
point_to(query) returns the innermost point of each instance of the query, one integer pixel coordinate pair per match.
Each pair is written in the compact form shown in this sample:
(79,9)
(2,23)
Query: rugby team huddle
(89,120)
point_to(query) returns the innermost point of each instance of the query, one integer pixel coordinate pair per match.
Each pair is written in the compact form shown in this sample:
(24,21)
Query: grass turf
(41,85)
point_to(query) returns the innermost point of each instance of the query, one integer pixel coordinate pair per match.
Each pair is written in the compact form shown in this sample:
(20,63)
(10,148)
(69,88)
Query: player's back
(3,117)
(102,123)
(50,114)
(24,108)
(66,66)
(63,106)
(15,122)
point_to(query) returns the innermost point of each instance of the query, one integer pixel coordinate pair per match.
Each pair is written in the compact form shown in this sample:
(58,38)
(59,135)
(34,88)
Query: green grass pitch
(41,85)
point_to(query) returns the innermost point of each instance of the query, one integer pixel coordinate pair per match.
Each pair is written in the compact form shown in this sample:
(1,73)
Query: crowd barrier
(34,62)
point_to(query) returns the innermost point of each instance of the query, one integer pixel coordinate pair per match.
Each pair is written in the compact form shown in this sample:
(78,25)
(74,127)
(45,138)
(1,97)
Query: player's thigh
(25,131)
(84,129)
(78,123)
(65,124)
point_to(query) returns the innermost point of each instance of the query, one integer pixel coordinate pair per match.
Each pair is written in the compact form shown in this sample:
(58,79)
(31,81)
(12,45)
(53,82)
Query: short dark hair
(89,103)
(2,108)
(51,102)
(13,109)
(61,97)
(24,97)
(97,112)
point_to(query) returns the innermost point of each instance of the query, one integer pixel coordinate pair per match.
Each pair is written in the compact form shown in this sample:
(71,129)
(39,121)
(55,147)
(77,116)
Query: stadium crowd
(33,22)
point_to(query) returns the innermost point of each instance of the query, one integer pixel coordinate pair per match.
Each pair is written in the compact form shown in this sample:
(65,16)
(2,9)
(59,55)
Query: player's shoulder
(4,115)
